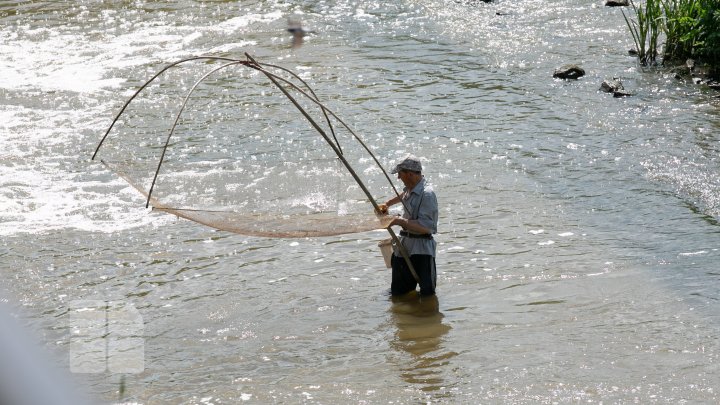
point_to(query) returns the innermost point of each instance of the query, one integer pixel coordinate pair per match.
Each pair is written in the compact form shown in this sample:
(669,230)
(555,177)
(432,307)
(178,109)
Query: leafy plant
(646,29)
(682,28)
(709,37)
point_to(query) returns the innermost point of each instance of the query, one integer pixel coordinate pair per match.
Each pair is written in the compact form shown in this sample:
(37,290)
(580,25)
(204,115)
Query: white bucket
(387,251)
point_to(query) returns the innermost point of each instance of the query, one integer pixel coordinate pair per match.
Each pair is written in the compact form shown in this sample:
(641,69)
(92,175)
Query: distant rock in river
(611,86)
(615,87)
(569,72)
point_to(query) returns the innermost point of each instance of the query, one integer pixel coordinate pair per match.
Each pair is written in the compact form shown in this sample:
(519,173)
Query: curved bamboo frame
(281,83)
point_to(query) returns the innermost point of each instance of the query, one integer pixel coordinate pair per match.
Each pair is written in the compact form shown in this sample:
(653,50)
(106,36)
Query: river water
(578,243)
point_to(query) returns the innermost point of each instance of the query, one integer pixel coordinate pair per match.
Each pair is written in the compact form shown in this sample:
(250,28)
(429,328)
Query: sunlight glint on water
(578,239)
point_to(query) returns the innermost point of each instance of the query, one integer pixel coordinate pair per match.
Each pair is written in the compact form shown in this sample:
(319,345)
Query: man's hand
(382,209)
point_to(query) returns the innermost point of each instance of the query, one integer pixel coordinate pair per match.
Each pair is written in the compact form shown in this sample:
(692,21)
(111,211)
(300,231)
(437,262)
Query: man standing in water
(419,223)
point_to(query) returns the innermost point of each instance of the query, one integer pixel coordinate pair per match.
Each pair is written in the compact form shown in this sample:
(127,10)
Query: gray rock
(611,86)
(621,93)
(617,3)
(569,72)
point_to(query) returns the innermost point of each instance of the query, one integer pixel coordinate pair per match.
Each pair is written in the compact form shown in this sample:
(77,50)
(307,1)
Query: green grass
(691,29)
(645,29)
(709,36)
(682,28)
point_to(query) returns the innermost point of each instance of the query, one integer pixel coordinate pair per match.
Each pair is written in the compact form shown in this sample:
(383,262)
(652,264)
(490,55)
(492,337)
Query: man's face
(406,177)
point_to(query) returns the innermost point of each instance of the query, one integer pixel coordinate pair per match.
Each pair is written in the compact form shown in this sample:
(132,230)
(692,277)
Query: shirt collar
(418,187)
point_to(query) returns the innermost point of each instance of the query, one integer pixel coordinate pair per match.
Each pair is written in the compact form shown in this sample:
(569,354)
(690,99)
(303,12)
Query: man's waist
(416,235)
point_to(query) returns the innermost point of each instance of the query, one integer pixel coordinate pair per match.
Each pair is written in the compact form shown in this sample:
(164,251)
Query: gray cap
(409,163)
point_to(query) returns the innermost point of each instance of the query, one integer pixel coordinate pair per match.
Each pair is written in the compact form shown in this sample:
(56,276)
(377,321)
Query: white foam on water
(46,178)
(314,201)
(28,64)
(47,181)
(237,23)
(44,200)
(700,252)
(231,46)
(31,58)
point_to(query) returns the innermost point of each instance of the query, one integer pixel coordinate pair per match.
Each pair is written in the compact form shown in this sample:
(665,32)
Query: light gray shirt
(422,205)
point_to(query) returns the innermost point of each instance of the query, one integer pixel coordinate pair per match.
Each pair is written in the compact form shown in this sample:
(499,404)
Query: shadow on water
(420,332)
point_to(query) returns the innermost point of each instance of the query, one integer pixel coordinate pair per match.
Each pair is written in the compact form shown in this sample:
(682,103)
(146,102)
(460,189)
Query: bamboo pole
(339,154)
(252,63)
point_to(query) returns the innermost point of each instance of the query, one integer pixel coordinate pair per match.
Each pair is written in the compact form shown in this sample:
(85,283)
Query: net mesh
(241,156)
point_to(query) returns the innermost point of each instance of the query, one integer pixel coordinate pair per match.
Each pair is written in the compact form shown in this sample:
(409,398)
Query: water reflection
(297,31)
(420,333)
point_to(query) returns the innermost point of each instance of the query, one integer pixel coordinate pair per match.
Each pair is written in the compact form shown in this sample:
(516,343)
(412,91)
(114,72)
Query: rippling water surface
(578,242)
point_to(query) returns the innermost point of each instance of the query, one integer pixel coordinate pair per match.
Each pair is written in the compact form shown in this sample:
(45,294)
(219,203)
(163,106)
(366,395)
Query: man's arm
(426,221)
(384,207)
(411,225)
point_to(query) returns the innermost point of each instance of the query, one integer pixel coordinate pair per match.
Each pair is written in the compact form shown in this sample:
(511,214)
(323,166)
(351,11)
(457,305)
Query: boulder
(621,93)
(617,3)
(612,86)
(569,72)
(615,87)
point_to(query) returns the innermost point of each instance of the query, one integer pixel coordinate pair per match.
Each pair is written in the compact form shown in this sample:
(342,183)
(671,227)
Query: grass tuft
(691,29)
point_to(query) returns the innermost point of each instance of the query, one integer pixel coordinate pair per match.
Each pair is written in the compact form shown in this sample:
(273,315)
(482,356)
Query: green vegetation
(710,34)
(681,28)
(646,29)
(691,29)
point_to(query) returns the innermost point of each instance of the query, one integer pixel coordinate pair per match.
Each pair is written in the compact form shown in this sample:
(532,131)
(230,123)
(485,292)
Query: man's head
(410,163)
(409,171)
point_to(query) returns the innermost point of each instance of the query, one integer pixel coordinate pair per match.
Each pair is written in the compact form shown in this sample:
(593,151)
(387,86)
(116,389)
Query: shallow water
(578,238)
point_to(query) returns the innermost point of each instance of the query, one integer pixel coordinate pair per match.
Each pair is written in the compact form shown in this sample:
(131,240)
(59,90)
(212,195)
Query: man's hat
(410,163)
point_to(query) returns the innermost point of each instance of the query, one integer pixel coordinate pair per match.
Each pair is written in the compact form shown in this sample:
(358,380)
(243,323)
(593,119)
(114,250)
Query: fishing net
(247,148)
